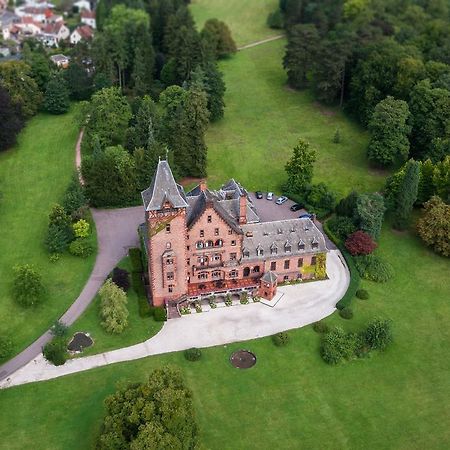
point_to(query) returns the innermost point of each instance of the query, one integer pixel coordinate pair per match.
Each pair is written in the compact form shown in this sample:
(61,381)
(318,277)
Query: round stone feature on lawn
(79,342)
(243,359)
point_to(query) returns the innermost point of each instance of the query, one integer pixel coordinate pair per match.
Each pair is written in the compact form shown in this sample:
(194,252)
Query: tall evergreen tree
(426,187)
(300,167)
(407,195)
(11,121)
(370,213)
(215,88)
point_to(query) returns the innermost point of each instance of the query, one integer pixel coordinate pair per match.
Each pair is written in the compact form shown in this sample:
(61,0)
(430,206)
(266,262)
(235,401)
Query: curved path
(299,305)
(116,233)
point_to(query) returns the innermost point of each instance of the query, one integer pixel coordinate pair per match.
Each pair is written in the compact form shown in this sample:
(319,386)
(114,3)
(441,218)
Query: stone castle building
(208,241)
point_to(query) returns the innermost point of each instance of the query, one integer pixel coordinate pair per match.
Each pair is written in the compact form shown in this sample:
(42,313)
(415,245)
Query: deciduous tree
(113,307)
(28,289)
(300,167)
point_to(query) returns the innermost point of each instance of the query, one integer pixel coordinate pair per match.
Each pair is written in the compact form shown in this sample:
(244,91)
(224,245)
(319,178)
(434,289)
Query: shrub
(362,294)
(360,243)
(212,302)
(5,346)
(244,298)
(81,247)
(346,313)
(59,329)
(337,346)
(378,334)
(198,306)
(373,268)
(341,227)
(81,213)
(159,313)
(135,259)
(81,228)
(74,198)
(193,354)
(121,278)
(113,308)
(28,289)
(54,257)
(58,238)
(280,339)
(320,327)
(55,351)
(228,301)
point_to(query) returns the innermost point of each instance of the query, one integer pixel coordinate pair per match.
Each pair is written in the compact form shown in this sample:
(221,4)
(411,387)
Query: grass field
(139,329)
(246,19)
(290,399)
(264,120)
(33,176)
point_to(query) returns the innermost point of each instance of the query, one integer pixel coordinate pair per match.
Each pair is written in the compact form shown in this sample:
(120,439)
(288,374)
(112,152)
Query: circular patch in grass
(243,359)
(79,342)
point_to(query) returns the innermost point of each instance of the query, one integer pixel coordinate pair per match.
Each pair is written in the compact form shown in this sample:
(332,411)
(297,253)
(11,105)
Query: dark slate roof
(269,277)
(281,238)
(163,188)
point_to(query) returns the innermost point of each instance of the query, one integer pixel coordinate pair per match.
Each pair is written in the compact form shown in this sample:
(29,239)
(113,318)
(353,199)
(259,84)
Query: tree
(11,121)
(59,329)
(434,225)
(347,205)
(143,65)
(109,114)
(301,51)
(441,179)
(74,197)
(55,351)
(78,81)
(15,77)
(299,168)
(28,289)
(157,414)
(39,65)
(370,211)
(426,187)
(407,195)
(56,99)
(389,132)
(215,88)
(219,33)
(113,307)
(360,243)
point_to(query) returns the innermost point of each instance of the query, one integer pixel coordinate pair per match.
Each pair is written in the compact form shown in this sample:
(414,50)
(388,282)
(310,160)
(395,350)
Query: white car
(269,196)
(281,200)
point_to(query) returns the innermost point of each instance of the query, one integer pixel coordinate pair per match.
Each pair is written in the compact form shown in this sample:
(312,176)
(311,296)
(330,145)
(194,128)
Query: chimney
(202,185)
(242,210)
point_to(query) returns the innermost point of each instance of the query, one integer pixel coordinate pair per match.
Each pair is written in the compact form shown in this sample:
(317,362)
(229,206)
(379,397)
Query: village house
(53,33)
(81,33)
(60,61)
(7,22)
(213,241)
(88,18)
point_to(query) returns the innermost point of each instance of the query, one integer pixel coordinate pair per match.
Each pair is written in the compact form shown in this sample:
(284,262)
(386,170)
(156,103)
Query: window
(170,275)
(167,227)
(273,250)
(273,265)
(315,245)
(286,264)
(246,271)
(286,278)
(188,247)
(230,231)
(188,261)
(202,260)
(259,251)
(209,244)
(216,257)
(246,253)
(256,269)
(171,287)
(209,219)
(233,256)
(233,274)
(216,274)
(218,243)
(299,276)
(202,233)
(313,261)
(301,245)
(199,244)
(168,245)
(287,248)
(203,276)
(300,262)
(233,242)
(216,232)
(169,261)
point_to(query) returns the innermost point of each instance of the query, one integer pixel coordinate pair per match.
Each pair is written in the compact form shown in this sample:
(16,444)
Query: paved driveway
(300,305)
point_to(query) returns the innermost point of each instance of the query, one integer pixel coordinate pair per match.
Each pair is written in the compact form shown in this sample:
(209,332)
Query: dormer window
(259,251)
(287,247)
(314,243)
(246,253)
(301,245)
(273,249)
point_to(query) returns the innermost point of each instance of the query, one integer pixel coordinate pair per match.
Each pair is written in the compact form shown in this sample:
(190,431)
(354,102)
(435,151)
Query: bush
(59,329)
(28,289)
(346,313)
(55,351)
(5,347)
(135,259)
(81,213)
(360,243)
(113,308)
(338,346)
(81,228)
(81,247)
(193,354)
(121,278)
(280,339)
(362,294)
(320,327)
(74,198)
(244,298)
(373,268)
(378,334)
(159,313)
(355,281)
(228,301)
(341,227)
(58,238)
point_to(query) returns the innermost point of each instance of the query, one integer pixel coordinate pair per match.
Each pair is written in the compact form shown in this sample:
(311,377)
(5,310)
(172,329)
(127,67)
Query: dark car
(297,207)
(259,195)
(306,216)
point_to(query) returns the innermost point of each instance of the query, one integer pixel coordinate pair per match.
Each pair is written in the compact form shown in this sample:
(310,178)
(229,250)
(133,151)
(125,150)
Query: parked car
(306,216)
(269,196)
(297,207)
(259,195)
(281,200)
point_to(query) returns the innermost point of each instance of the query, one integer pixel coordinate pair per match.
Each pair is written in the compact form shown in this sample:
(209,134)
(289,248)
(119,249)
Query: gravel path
(297,306)
(263,41)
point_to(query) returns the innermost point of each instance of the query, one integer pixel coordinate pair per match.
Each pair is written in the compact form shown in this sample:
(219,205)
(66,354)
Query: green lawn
(290,399)
(139,329)
(246,19)
(264,120)
(33,176)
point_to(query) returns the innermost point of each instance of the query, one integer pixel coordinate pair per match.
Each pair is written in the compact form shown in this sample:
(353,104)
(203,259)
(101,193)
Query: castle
(208,241)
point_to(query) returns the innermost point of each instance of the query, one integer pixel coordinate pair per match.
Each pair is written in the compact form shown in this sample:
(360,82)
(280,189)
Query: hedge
(135,259)
(138,287)
(355,279)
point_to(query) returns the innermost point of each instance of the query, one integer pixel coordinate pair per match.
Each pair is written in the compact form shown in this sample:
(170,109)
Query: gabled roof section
(163,188)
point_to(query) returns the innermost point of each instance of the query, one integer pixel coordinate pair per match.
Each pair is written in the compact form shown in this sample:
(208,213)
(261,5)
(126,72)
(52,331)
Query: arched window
(256,269)
(209,244)
(246,271)
(199,244)
(219,243)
